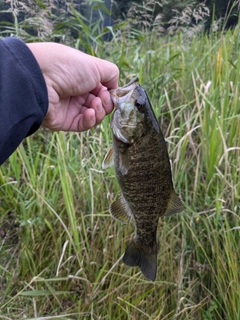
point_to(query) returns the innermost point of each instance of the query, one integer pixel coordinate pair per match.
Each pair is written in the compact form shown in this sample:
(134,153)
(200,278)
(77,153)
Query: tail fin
(142,257)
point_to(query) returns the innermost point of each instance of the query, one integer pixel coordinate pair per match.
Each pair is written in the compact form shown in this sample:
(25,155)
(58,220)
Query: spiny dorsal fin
(108,160)
(119,210)
(175,205)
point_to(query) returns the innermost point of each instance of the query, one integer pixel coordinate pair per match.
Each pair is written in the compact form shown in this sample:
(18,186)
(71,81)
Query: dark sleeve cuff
(23,95)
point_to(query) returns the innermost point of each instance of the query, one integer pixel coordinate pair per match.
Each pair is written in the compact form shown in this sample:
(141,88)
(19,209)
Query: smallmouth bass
(142,168)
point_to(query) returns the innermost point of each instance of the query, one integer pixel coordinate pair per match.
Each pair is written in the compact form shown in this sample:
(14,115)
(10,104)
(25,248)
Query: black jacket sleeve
(23,95)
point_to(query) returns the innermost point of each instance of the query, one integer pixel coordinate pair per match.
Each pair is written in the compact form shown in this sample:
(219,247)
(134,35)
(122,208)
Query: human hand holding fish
(77,86)
(142,168)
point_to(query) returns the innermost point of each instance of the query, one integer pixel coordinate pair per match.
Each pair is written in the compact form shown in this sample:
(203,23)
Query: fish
(142,168)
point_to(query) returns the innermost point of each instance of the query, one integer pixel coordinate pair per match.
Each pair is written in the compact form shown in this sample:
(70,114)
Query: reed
(60,252)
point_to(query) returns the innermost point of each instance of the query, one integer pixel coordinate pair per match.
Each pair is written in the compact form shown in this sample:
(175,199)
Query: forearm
(23,95)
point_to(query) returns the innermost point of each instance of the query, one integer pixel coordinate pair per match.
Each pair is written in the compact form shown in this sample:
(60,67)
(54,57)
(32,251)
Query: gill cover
(144,97)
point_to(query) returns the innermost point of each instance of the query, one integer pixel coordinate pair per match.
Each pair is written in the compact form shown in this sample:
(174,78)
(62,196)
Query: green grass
(60,249)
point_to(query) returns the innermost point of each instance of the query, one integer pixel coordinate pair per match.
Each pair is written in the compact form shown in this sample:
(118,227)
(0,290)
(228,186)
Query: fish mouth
(134,80)
(122,94)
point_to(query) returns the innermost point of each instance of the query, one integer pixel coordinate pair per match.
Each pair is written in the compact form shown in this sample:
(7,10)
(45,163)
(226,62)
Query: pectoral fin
(108,160)
(175,205)
(123,162)
(119,210)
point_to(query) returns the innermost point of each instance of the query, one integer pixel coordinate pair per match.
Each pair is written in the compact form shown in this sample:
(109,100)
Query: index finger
(109,74)
(102,92)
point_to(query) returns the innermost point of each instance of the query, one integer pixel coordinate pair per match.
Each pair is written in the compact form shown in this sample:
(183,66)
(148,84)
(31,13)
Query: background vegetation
(60,251)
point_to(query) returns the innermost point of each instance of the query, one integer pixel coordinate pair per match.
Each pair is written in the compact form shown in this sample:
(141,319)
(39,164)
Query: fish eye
(139,104)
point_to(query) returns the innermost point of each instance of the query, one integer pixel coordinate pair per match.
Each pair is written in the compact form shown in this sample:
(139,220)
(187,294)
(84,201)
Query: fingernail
(100,108)
(107,101)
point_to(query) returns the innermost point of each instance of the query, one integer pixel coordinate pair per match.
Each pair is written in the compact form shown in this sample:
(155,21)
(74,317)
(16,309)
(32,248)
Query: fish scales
(143,171)
(144,187)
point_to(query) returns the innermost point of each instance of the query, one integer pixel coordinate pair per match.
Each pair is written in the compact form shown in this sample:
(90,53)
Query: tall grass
(61,251)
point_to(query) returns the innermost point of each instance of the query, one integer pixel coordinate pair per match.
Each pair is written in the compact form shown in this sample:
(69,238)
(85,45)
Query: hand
(77,86)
